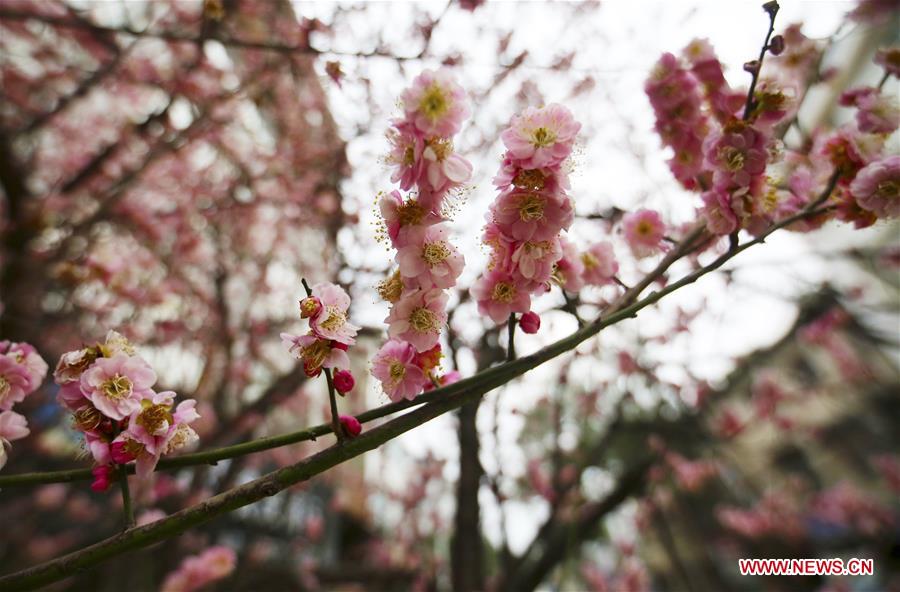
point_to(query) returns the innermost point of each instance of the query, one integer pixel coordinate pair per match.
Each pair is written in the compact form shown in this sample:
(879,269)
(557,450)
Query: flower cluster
(532,209)
(21,372)
(427,262)
(724,153)
(676,99)
(109,390)
(330,335)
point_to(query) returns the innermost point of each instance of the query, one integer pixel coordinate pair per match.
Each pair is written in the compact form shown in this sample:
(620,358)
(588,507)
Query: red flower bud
(343,381)
(101,478)
(310,307)
(350,425)
(530,322)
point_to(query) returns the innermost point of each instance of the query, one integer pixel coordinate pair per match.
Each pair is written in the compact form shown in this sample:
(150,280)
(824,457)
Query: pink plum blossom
(72,364)
(534,260)
(542,137)
(675,96)
(429,259)
(156,429)
(720,217)
(418,318)
(401,217)
(394,366)
(444,169)
(199,571)
(511,174)
(116,385)
(405,156)
(569,272)
(600,264)
(532,215)
(15,382)
(25,354)
(644,231)
(876,187)
(13,426)
(737,155)
(331,323)
(315,353)
(435,104)
(876,113)
(500,294)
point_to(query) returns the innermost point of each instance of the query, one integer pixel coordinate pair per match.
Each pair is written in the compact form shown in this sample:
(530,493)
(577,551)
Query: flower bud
(530,322)
(776,45)
(310,307)
(752,66)
(343,381)
(101,478)
(350,425)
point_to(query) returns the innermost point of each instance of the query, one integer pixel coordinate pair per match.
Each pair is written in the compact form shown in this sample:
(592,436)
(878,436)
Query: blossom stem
(772,9)
(511,337)
(332,397)
(127,506)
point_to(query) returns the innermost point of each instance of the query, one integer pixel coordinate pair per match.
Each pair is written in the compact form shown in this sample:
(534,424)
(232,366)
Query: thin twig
(127,508)
(772,9)
(511,337)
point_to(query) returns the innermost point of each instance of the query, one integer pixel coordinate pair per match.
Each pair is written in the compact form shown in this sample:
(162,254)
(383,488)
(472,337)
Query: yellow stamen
(410,213)
(423,320)
(531,207)
(154,417)
(529,179)
(435,253)
(503,292)
(336,319)
(116,388)
(434,102)
(542,137)
(391,288)
(397,371)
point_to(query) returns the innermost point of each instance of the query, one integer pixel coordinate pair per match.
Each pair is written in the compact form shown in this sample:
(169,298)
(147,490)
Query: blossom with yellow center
(531,207)
(532,179)
(503,292)
(542,137)
(390,289)
(154,417)
(423,320)
(116,388)
(434,102)
(435,253)
(410,213)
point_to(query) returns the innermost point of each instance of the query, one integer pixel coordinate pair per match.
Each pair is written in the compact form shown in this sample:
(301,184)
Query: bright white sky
(617,44)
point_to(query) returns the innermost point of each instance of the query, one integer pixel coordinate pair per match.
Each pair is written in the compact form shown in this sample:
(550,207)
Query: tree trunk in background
(467,548)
